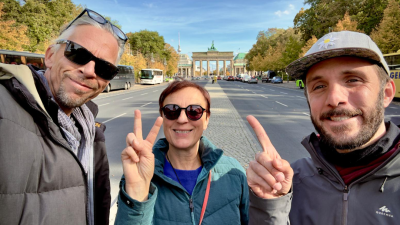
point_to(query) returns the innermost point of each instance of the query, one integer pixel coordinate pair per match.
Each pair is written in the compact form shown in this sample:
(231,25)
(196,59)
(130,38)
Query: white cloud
(286,12)
(149,5)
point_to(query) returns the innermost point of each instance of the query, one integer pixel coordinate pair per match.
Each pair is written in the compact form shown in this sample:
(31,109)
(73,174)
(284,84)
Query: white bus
(151,76)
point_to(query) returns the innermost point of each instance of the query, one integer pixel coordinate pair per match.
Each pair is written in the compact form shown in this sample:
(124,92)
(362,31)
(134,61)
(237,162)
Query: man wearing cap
(53,162)
(353,175)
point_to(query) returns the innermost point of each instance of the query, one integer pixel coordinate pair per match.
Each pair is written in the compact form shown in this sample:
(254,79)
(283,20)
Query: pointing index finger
(263,137)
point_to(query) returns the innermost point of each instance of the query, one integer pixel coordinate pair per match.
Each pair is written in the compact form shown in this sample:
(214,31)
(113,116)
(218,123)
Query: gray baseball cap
(335,44)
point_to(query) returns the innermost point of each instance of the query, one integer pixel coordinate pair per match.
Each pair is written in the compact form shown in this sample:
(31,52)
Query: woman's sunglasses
(101,20)
(81,56)
(193,112)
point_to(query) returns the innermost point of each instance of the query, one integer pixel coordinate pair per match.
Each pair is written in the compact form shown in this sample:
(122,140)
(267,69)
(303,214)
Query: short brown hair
(179,85)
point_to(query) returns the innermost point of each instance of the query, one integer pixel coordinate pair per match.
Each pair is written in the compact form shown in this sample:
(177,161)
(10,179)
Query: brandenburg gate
(212,55)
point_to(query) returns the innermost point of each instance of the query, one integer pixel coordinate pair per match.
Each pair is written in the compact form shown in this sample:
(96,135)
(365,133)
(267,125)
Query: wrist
(138,192)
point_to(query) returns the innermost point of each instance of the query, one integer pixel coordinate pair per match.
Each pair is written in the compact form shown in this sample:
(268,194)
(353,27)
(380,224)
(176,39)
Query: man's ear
(389,92)
(49,56)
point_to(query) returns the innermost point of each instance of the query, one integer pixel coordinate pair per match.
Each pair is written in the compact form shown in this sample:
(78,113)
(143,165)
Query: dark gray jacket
(321,197)
(41,180)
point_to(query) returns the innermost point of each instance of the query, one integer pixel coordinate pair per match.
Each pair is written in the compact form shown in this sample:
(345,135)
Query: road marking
(253,92)
(104,104)
(155,90)
(144,94)
(263,96)
(300,97)
(393,107)
(114,118)
(126,98)
(281,103)
(145,104)
(306,114)
(284,93)
(247,89)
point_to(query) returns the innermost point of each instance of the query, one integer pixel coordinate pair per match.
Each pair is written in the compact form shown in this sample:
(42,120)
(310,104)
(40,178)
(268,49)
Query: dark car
(231,78)
(277,80)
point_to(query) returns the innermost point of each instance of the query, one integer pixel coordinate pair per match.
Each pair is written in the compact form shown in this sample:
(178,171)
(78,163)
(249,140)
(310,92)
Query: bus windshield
(393,61)
(146,74)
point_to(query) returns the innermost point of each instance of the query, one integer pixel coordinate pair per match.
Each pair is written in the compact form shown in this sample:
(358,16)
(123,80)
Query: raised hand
(138,159)
(269,176)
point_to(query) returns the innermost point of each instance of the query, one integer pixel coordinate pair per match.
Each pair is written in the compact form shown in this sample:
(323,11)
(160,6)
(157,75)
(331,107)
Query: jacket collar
(209,155)
(391,167)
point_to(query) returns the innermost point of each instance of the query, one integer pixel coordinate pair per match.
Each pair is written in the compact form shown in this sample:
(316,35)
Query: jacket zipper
(68,149)
(190,198)
(346,188)
(345,205)
(191,210)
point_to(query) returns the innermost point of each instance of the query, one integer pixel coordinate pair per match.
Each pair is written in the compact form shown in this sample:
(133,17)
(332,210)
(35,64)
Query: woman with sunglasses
(184,179)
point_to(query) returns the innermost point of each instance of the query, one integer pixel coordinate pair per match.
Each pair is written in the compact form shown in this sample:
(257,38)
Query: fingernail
(274,191)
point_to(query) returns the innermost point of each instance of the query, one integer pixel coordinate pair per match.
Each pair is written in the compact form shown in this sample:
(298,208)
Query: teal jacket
(169,202)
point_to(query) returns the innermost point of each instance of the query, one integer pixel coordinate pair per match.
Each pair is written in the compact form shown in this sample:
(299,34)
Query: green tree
(148,42)
(44,18)
(324,14)
(12,36)
(388,32)
(346,24)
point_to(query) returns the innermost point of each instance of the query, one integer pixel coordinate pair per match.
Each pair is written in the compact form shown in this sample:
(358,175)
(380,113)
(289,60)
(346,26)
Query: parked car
(277,80)
(253,80)
(231,78)
(245,78)
(268,76)
(219,78)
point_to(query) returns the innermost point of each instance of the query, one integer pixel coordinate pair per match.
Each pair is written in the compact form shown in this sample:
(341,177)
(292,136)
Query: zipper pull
(345,192)
(191,205)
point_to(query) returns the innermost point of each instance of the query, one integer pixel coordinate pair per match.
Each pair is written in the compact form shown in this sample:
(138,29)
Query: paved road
(281,109)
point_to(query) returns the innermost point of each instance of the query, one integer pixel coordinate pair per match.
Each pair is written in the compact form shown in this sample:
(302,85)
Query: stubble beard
(370,125)
(65,100)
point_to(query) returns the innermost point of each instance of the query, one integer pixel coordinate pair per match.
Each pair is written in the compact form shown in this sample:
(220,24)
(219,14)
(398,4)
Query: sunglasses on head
(81,56)
(193,112)
(101,20)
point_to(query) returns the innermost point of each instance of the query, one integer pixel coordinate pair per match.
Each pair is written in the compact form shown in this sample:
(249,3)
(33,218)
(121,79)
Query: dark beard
(329,144)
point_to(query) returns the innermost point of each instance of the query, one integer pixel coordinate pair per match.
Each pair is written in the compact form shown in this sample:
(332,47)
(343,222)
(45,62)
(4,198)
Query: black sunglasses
(101,20)
(193,112)
(81,56)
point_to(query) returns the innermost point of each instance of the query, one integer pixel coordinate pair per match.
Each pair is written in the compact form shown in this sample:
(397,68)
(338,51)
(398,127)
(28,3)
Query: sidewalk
(227,130)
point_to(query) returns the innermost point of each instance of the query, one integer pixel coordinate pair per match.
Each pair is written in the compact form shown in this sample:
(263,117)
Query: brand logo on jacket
(384,211)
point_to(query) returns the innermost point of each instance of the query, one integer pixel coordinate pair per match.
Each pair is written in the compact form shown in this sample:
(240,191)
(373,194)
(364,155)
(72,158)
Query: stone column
(224,67)
(217,67)
(201,67)
(208,67)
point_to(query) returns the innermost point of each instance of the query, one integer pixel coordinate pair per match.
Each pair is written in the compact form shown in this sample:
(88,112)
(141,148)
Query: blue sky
(233,25)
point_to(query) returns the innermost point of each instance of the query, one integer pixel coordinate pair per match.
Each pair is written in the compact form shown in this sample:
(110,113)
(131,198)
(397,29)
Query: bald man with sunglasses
(53,163)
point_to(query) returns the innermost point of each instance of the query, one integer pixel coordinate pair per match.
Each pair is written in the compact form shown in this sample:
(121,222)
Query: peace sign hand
(138,159)
(269,176)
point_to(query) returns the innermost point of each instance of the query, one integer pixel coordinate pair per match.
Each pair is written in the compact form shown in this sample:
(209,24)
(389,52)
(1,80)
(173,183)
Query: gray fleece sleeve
(269,211)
